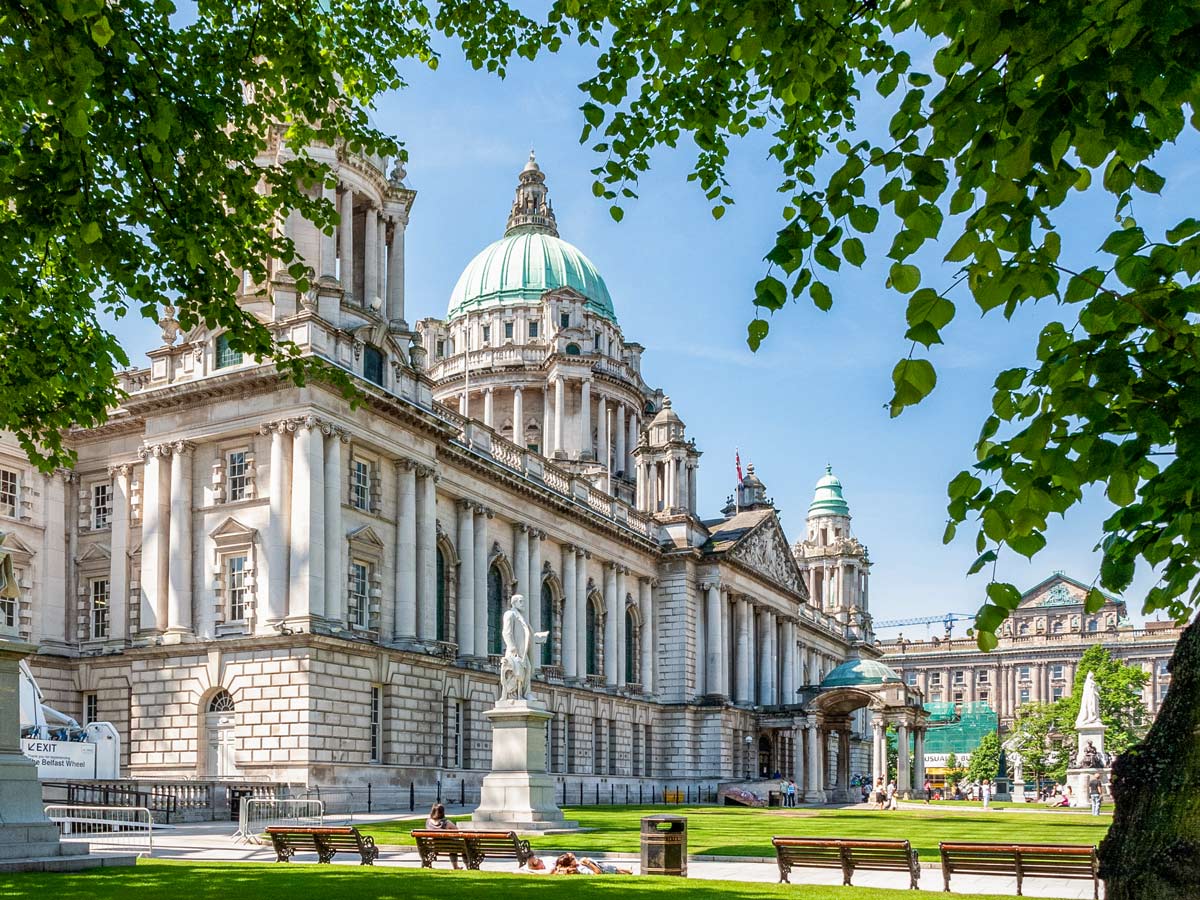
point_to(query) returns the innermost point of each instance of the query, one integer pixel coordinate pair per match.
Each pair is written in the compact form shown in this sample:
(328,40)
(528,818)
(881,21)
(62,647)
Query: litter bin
(664,845)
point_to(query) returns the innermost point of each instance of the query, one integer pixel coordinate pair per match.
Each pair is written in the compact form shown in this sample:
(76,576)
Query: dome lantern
(828,499)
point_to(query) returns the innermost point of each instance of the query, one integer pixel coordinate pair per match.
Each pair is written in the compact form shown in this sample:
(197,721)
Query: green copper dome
(522,266)
(828,496)
(860,672)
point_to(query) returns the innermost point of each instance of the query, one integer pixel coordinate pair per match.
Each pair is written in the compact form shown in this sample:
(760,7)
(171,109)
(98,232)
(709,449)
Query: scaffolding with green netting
(958,730)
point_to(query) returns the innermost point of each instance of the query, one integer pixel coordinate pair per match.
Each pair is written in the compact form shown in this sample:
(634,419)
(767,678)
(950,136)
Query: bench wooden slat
(473,846)
(324,841)
(847,855)
(1021,860)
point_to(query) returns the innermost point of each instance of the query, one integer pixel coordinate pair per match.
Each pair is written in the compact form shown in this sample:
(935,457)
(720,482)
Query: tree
(1119,687)
(985,759)
(1033,729)
(134,175)
(954,772)
(1023,107)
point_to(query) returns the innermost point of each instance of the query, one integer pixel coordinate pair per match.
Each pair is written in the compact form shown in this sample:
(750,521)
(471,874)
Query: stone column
(646,602)
(727,653)
(535,592)
(277,526)
(815,792)
(581,601)
(405,600)
(770,658)
(753,678)
(843,767)
(559,413)
(518,416)
(789,662)
(621,458)
(691,491)
(118,564)
(631,443)
(335,532)
(306,591)
(547,423)
(521,564)
(602,453)
(465,625)
(570,623)
(622,594)
(971,676)
(585,419)
(179,590)
(611,651)
(480,551)
(741,682)
(346,234)
(395,274)
(370,255)
(427,554)
(489,418)
(712,639)
(798,767)
(328,262)
(919,761)
(903,785)
(878,753)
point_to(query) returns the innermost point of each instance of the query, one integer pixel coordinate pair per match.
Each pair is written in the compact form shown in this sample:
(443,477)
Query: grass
(736,831)
(299,881)
(1008,804)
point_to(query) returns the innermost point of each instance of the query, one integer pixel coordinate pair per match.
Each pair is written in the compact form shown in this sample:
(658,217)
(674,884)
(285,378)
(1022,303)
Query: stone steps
(71,861)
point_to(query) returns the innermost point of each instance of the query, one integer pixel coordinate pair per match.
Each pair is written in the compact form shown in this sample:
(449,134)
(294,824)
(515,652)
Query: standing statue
(1089,704)
(516,666)
(1012,750)
(8,578)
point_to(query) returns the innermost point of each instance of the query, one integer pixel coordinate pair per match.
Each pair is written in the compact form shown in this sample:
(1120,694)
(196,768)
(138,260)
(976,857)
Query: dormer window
(487,333)
(226,355)
(373,364)
(572,350)
(564,320)
(508,330)
(441,349)
(533,329)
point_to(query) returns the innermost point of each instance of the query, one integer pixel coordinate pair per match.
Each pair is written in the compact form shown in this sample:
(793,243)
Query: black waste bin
(664,845)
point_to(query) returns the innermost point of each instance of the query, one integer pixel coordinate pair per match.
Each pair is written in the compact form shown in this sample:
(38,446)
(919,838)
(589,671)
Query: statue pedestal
(28,840)
(1077,781)
(1095,734)
(1018,791)
(518,795)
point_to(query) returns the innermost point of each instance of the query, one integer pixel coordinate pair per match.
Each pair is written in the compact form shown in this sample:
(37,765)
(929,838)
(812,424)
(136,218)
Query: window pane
(495,599)
(630,644)
(226,355)
(8,493)
(359,586)
(101,505)
(442,634)
(235,579)
(373,365)
(548,624)
(235,474)
(360,496)
(99,608)
(590,630)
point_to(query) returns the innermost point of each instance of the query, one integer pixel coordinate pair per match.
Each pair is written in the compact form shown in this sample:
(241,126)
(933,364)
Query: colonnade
(667,484)
(836,582)
(377,271)
(907,760)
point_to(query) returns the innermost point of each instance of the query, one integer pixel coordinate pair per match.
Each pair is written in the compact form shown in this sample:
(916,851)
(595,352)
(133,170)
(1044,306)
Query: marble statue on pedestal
(516,666)
(1089,704)
(1090,760)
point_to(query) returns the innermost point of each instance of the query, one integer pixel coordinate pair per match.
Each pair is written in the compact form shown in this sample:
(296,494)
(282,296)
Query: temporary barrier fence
(105,827)
(256,814)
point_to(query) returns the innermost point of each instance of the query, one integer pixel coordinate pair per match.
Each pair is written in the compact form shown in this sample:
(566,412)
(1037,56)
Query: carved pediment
(366,536)
(232,533)
(91,552)
(12,544)
(765,550)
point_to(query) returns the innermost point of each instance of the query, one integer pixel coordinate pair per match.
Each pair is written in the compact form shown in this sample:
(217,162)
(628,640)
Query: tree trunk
(1152,851)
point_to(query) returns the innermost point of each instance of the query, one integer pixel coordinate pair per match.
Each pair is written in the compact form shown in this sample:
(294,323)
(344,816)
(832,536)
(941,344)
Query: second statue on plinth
(516,666)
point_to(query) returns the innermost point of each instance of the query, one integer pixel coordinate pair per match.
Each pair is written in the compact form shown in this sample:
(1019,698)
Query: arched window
(548,623)
(1093,625)
(373,364)
(495,608)
(630,648)
(590,630)
(221,702)
(226,355)
(572,350)
(441,596)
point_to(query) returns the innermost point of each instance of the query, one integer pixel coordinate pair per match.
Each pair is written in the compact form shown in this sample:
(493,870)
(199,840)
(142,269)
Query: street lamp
(749,745)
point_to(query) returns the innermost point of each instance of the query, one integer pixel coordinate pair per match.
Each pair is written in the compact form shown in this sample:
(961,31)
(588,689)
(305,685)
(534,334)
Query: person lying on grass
(567,864)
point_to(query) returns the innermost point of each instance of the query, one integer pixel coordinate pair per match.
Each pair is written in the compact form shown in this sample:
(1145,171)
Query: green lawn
(298,881)
(736,831)
(1008,804)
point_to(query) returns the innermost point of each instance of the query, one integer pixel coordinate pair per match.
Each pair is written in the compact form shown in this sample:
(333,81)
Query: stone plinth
(518,795)
(28,840)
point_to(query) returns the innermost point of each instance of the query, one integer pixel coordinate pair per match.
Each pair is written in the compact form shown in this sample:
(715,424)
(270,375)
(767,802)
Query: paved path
(213,841)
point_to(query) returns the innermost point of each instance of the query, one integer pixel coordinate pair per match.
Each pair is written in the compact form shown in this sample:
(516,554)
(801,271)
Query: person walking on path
(891,795)
(791,792)
(1094,793)
(985,793)
(928,790)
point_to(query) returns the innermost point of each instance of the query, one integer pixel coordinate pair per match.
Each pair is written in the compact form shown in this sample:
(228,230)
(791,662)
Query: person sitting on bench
(437,821)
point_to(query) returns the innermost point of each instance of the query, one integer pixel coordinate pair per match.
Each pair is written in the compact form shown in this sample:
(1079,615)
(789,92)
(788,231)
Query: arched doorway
(764,757)
(221,761)
(495,610)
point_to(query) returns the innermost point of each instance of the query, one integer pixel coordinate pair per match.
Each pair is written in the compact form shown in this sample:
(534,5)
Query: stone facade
(1039,649)
(257,580)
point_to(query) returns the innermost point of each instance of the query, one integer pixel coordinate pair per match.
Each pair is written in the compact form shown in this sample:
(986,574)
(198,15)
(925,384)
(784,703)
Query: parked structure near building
(1039,648)
(254,580)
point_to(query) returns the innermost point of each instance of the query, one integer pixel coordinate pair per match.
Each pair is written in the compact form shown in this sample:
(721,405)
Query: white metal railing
(257,813)
(125,827)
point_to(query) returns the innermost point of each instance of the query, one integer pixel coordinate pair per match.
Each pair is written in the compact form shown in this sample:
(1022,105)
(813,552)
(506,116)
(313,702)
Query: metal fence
(106,827)
(256,814)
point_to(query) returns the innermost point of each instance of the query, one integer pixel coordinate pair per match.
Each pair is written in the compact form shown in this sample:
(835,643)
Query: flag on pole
(737,461)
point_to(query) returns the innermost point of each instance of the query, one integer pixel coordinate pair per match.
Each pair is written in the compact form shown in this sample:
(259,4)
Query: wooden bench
(473,846)
(847,855)
(324,841)
(1022,860)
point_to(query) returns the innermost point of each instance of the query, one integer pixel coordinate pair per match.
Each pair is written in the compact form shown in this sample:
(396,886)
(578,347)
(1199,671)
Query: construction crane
(947,619)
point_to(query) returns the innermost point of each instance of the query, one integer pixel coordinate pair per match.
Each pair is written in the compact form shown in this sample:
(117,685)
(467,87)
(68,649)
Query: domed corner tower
(835,565)
(531,347)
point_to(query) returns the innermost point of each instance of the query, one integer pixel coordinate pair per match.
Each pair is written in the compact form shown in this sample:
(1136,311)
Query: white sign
(941,760)
(61,759)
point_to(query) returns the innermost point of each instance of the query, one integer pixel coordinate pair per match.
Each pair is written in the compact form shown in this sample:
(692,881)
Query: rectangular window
(533,329)
(508,329)
(648,748)
(235,583)
(959,676)
(1056,692)
(90,713)
(569,741)
(1023,673)
(99,617)
(8,612)
(958,697)
(360,485)
(935,697)
(564,320)
(441,349)
(226,355)
(983,696)
(910,677)
(454,735)
(360,580)
(935,678)
(376,723)
(1024,695)
(1163,671)
(598,747)
(235,475)
(1162,692)
(983,676)
(101,505)
(612,746)
(487,333)
(8,493)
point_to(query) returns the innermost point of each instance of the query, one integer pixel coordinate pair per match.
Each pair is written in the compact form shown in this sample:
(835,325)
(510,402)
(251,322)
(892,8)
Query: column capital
(520,527)
(464,504)
(122,470)
(405,463)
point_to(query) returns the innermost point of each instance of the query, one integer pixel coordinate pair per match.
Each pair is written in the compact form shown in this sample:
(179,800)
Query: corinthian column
(570,625)
(610,625)
(534,604)
(370,256)
(179,597)
(481,581)
(466,578)
(277,526)
(152,617)
(329,241)
(118,566)
(306,591)
(741,691)
(518,417)
(559,412)
(395,274)
(712,660)
(427,555)
(585,419)
(346,234)
(405,600)
(622,672)
(335,532)
(647,647)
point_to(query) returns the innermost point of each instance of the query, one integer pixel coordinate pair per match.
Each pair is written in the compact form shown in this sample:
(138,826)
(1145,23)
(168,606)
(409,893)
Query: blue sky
(682,282)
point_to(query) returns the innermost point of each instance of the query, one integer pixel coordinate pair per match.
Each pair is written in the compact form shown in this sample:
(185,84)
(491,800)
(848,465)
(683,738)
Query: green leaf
(756,332)
(1122,243)
(1004,595)
(853,251)
(904,278)
(864,219)
(1095,600)
(770,293)
(592,114)
(984,558)
(986,640)
(90,233)
(821,297)
(718,211)
(617,213)
(102,32)
(913,379)
(1122,487)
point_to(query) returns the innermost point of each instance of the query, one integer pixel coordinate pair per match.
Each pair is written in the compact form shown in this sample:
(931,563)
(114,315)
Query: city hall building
(254,580)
